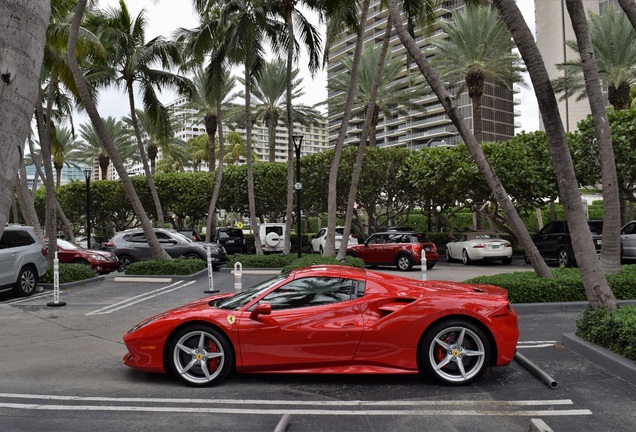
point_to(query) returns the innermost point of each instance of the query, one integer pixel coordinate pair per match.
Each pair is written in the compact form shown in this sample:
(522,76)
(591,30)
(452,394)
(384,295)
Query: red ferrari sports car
(334,320)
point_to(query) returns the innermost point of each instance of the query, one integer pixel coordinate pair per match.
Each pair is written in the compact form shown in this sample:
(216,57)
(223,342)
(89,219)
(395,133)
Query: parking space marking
(140,298)
(30,298)
(535,344)
(474,406)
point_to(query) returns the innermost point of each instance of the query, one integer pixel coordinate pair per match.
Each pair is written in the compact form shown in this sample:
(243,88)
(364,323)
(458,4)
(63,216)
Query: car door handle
(349,324)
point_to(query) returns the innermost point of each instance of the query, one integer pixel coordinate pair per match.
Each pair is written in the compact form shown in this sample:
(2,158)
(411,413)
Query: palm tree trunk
(289,7)
(249,156)
(211,222)
(27,206)
(629,7)
(330,240)
(22,39)
(210,121)
(142,155)
(610,248)
(598,292)
(471,143)
(369,126)
(155,248)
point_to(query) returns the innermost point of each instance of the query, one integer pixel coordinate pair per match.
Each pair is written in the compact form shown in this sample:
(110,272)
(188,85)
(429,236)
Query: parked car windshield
(67,244)
(239,300)
(596,227)
(181,237)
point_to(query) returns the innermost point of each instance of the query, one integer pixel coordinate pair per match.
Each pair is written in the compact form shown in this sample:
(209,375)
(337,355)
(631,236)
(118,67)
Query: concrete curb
(559,306)
(614,363)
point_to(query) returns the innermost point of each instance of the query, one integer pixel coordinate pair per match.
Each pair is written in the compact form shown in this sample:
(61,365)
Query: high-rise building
(553,30)
(420,129)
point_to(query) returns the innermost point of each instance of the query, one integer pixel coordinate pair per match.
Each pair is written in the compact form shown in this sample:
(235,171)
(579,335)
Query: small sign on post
(238,276)
(56,284)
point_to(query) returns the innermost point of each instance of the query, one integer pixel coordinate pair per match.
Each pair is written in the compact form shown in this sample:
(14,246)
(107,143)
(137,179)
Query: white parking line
(476,406)
(535,344)
(140,298)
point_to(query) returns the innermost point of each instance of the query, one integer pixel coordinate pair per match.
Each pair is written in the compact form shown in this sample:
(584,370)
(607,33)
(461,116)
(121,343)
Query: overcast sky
(165,16)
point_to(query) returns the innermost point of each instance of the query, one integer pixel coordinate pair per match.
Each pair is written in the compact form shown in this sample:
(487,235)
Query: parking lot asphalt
(61,370)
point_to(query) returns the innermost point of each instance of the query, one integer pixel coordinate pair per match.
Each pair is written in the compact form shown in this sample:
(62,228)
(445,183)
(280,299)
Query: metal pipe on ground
(536,371)
(282,423)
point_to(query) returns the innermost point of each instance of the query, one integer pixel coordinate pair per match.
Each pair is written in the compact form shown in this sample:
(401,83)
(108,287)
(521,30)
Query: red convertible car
(333,320)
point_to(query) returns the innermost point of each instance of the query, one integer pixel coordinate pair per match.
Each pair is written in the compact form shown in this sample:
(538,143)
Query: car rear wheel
(465,257)
(200,355)
(404,263)
(27,280)
(124,262)
(455,352)
(564,258)
(321,251)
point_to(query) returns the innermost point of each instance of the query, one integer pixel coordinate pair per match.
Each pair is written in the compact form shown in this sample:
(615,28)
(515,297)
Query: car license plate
(599,242)
(230,241)
(427,248)
(494,246)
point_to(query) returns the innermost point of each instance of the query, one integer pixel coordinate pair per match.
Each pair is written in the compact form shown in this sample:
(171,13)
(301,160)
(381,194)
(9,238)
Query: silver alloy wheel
(564,258)
(124,263)
(198,357)
(404,263)
(457,354)
(27,281)
(465,258)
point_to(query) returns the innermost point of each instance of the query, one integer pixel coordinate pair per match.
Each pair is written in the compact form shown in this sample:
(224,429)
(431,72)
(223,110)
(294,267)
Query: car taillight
(507,244)
(110,243)
(417,248)
(479,246)
(44,251)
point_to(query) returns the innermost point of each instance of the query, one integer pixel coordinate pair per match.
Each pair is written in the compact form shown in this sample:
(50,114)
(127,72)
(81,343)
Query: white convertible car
(318,242)
(477,246)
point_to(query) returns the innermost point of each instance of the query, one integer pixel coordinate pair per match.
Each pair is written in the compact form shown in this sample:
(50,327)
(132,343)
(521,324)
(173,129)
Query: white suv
(22,261)
(272,237)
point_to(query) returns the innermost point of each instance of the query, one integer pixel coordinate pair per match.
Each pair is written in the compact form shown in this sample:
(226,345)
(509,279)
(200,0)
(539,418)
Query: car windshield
(67,244)
(180,237)
(239,300)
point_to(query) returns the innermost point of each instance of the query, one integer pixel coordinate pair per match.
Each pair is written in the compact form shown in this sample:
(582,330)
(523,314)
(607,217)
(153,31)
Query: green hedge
(614,331)
(567,286)
(181,266)
(308,260)
(69,273)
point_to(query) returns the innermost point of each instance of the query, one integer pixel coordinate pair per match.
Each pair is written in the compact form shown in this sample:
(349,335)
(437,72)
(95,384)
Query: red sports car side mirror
(263,308)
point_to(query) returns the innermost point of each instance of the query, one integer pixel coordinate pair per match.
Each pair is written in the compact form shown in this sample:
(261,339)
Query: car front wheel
(200,355)
(564,258)
(124,262)
(27,280)
(455,352)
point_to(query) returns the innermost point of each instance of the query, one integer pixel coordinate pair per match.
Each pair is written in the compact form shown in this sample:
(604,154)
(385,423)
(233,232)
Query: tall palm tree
(91,146)
(615,59)
(610,249)
(130,63)
(478,48)
(63,147)
(392,98)
(157,139)
(597,289)
(197,149)
(156,250)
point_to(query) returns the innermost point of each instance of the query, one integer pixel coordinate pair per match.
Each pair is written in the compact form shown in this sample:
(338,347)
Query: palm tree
(237,150)
(616,60)
(156,250)
(91,146)
(596,287)
(610,249)
(392,98)
(197,150)
(63,147)
(130,63)
(478,48)
(158,139)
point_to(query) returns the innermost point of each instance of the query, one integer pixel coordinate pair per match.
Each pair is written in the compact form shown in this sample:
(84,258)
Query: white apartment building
(419,129)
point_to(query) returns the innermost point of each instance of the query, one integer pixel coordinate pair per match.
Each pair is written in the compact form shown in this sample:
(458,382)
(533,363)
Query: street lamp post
(87,176)
(298,186)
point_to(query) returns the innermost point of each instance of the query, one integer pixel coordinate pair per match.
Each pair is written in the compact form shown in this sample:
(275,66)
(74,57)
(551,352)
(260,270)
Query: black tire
(506,261)
(193,255)
(465,258)
(429,265)
(217,268)
(26,282)
(196,346)
(564,258)
(451,343)
(525,258)
(124,262)
(321,251)
(404,263)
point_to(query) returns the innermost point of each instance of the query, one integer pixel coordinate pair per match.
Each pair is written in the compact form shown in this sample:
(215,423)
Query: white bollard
(56,284)
(210,274)
(423,264)
(238,275)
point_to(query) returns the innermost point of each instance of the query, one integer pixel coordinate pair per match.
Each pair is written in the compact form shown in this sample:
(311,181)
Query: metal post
(298,187)
(423,264)
(210,273)
(56,284)
(87,175)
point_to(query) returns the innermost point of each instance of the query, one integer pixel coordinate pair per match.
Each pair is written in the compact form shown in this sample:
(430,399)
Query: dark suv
(232,239)
(554,243)
(131,245)
(399,248)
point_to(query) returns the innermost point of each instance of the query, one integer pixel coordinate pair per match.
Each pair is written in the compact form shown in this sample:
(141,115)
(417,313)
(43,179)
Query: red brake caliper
(213,364)
(440,351)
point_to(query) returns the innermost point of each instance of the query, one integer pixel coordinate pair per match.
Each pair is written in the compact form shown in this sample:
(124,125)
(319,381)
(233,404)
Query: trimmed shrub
(181,266)
(261,261)
(308,260)
(69,273)
(614,331)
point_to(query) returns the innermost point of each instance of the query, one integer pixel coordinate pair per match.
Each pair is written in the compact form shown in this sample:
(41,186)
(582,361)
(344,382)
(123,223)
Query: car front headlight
(97,257)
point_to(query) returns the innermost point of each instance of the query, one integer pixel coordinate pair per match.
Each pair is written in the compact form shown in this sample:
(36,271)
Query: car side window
(462,238)
(163,237)
(17,239)
(548,229)
(321,233)
(630,228)
(138,238)
(313,291)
